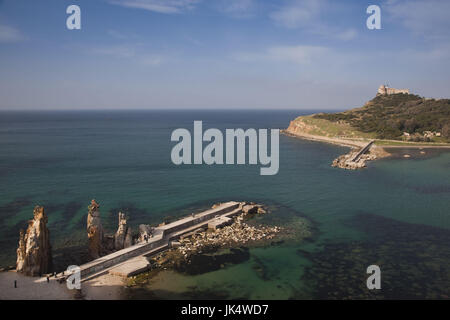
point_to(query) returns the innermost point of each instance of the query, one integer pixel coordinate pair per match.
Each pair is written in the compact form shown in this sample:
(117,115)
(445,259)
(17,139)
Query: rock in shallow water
(94,230)
(123,237)
(34,251)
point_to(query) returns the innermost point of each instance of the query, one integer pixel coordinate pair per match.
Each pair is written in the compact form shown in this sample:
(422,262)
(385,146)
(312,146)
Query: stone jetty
(355,159)
(135,258)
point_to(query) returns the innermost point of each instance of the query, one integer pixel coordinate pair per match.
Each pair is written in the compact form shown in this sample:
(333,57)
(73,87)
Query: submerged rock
(94,230)
(34,251)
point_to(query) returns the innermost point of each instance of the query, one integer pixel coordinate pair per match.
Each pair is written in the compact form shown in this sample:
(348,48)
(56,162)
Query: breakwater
(160,240)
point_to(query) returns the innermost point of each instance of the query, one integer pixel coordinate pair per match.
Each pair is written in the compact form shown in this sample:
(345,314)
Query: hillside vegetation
(389,116)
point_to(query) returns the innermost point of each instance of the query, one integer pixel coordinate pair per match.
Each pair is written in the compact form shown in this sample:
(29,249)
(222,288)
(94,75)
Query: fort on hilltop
(385,90)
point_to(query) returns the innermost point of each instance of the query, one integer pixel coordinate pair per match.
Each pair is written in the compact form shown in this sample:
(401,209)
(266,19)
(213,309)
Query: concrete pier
(362,151)
(132,260)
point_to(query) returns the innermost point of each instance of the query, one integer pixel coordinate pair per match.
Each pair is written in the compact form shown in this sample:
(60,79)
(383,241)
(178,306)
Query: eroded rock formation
(123,238)
(34,252)
(94,230)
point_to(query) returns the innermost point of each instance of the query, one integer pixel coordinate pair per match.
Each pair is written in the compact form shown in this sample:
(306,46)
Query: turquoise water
(62,160)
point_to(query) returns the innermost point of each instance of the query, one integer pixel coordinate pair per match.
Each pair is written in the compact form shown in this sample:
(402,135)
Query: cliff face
(34,252)
(299,127)
(123,237)
(94,230)
(294,127)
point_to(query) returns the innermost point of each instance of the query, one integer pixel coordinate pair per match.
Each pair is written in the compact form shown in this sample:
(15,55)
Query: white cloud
(160,6)
(307,15)
(130,52)
(425,17)
(152,60)
(293,54)
(347,35)
(297,14)
(115,51)
(238,8)
(9,34)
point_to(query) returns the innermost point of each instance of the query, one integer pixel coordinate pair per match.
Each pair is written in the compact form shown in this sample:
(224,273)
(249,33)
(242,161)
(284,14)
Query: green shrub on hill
(390,115)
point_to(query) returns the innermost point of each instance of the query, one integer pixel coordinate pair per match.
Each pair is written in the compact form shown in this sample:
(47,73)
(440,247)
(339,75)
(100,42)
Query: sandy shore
(105,287)
(381,152)
(413,146)
(31,288)
(336,141)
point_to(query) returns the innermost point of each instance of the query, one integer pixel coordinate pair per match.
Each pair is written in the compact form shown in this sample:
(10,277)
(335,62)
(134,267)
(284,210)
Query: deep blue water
(62,160)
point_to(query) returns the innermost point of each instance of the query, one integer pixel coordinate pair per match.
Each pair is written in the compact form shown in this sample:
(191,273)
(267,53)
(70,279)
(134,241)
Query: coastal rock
(94,230)
(347,161)
(34,251)
(250,209)
(123,237)
(108,243)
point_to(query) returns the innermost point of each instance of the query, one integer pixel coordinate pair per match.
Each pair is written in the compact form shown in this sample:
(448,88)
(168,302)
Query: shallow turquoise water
(64,159)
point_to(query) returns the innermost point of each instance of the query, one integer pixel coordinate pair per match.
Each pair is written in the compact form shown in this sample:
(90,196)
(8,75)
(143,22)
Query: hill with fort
(394,116)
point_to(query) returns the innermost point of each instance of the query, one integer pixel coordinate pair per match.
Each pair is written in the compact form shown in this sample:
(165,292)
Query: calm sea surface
(394,214)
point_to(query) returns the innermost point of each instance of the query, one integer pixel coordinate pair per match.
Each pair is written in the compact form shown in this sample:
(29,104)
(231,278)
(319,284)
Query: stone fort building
(384,90)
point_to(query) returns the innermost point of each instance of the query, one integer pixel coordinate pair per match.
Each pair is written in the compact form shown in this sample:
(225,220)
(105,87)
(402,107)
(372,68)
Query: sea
(394,214)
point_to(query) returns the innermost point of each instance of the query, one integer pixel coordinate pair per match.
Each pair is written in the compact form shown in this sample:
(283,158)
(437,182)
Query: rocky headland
(393,119)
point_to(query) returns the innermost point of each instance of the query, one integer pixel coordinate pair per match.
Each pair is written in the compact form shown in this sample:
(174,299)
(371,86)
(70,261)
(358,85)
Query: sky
(219,54)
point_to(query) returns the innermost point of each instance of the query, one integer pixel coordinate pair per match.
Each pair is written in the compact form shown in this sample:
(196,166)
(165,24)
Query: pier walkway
(132,260)
(362,151)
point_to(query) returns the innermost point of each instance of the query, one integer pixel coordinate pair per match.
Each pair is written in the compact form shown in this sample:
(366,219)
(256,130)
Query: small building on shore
(385,90)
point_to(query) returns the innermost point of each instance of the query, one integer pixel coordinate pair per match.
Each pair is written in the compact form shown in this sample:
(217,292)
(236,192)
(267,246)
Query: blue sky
(160,54)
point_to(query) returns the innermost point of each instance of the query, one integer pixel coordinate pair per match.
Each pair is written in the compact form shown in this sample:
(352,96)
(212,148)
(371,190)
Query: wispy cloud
(152,60)
(300,54)
(297,13)
(308,15)
(129,52)
(121,35)
(160,6)
(238,8)
(346,35)
(10,34)
(120,51)
(424,17)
